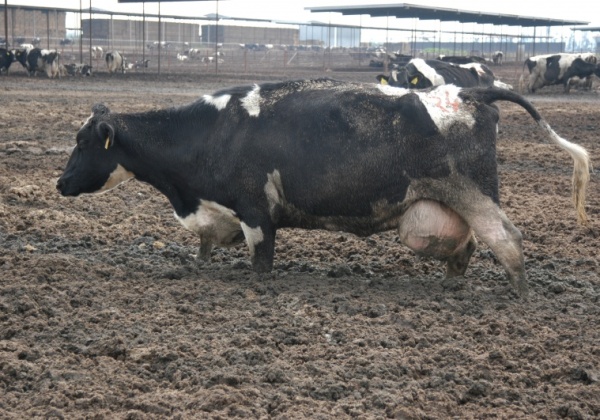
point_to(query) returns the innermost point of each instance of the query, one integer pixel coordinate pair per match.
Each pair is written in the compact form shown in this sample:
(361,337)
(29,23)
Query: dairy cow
(556,69)
(322,154)
(115,62)
(421,74)
(584,83)
(36,60)
(78,68)
(498,58)
(6,59)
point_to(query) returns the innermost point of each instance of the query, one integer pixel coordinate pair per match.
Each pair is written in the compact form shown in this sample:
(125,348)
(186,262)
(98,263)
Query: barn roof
(587,28)
(406,10)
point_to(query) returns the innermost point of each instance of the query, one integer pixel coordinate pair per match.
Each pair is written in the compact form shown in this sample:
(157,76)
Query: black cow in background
(6,59)
(498,58)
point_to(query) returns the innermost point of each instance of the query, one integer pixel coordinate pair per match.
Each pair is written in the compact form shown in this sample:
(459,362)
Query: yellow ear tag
(384,82)
(414,81)
(107,144)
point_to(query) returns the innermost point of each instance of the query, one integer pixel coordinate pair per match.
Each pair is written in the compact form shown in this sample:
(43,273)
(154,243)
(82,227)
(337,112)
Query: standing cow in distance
(97,52)
(557,69)
(36,60)
(323,154)
(115,62)
(498,58)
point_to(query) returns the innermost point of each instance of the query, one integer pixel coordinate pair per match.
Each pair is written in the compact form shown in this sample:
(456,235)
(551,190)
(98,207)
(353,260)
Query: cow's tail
(581,158)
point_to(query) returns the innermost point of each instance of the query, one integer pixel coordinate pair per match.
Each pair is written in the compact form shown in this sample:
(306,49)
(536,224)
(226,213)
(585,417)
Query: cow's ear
(107,133)
(100,109)
(382,79)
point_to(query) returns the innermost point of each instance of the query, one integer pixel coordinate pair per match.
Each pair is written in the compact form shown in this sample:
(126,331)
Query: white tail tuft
(581,170)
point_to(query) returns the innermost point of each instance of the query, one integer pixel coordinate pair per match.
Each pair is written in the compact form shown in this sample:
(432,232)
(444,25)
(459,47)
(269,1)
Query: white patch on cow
(502,85)
(476,66)
(218,223)
(428,71)
(208,213)
(116,177)
(88,119)
(254,236)
(392,91)
(274,191)
(251,102)
(219,102)
(445,107)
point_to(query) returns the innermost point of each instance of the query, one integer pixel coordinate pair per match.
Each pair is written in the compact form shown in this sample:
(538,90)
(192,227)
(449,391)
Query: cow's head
(94,164)
(415,79)
(21,56)
(86,70)
(397,78)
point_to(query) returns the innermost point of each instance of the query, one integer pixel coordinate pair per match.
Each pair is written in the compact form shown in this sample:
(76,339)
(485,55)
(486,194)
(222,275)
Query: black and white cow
(6,59)
(322,154)
(421,74)
(584,83)
(556,69)
(36,60)
(78,68)
(498,58)
(115,62)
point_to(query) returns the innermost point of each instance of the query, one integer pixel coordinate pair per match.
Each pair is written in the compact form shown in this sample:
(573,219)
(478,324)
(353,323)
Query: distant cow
(141,64)
(82,69)
(584,83)
(322,154)
(556,69)
(97,52)
(6,59)
(39,60)
(498,58)
(115,62)
(420,74)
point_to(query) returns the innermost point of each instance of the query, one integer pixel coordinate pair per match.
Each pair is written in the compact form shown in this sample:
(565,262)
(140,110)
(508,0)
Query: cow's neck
(158,154)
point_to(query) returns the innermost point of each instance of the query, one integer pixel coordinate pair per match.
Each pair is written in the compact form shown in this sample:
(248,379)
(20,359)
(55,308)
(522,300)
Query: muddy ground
(105,314)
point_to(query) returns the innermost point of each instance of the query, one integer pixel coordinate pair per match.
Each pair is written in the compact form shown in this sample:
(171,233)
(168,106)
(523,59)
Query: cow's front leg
(205,249)
(260,238)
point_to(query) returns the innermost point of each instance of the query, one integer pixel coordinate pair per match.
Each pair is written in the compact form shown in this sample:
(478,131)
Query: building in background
(328,35)
(28,23)
(103,29)
(250,33)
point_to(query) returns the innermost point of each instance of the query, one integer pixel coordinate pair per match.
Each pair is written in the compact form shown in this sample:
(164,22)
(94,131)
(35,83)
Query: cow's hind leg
(261,243)
(492,226)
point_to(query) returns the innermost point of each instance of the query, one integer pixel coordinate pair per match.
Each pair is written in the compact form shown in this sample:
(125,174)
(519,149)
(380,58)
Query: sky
(295,10)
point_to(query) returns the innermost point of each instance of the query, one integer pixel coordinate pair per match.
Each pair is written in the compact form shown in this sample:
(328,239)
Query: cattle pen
(107,309)
(213,43)
(105,312)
